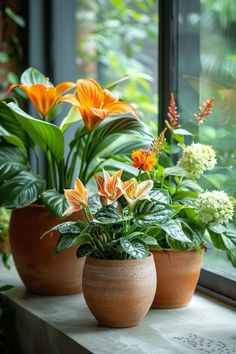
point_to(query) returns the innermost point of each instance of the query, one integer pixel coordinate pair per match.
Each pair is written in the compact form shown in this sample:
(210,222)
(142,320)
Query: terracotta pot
(177,277)
(119,292)
(40,269)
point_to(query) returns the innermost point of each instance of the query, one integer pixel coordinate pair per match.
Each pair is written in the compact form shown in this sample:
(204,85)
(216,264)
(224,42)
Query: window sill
(64,325)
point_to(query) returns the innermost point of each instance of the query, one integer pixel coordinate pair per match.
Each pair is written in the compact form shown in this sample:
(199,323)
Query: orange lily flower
(134,191)
(95,104)
(109,187)
(43,96)
(77,198)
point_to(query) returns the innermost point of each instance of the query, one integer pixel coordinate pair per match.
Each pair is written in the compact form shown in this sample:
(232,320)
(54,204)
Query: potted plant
(36,196)
(119,278)
(200,217)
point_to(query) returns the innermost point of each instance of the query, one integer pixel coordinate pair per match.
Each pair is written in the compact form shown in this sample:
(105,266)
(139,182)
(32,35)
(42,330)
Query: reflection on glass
(207,67)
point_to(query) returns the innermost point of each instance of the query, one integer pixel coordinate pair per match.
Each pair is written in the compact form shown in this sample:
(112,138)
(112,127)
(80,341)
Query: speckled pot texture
(40,269)
(119,293)
(177,276)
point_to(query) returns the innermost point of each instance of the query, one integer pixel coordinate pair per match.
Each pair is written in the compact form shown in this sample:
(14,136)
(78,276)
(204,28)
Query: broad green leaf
(150,212)
(160,195)
(174,230)
(69,240)
(55,202)
(108,215)
(72,117)
(218,229)
(11,124)
(181,132)
(178,245)
(21,190)
(182,195)
(12,161)
(68,227)
(110,129)
(33,76)
(135,249)
(175,171)
(12,139)
(46,135)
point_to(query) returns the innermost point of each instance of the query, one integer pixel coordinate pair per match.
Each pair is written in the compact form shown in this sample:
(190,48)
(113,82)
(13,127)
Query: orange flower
(109,187)
(43,96)
(77,198)
(144,159)
(96,104)
(134,191)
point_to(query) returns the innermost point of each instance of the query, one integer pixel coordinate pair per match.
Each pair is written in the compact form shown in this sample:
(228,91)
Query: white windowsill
(64,325)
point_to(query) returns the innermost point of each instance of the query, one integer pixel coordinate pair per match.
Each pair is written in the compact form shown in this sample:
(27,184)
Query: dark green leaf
(70,240)
(55,202)
(12,139)
(84,250)
(150,212)
(68,227)
(46,135)
(135,249)
(12,125)
(6,287)
(12,161)
(21,190)
(108,215)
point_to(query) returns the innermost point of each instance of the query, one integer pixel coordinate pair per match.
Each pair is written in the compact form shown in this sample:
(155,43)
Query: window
(202,65)
(193,43)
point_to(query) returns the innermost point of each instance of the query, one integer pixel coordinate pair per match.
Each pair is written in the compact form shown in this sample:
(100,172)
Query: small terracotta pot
(119,293)
(177,276)
(40,269)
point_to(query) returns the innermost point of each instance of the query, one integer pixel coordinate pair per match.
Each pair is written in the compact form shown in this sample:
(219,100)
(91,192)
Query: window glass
(119,38)
(207,69)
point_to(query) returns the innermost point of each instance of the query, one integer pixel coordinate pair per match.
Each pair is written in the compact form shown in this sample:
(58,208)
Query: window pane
(206,69)
(119,38)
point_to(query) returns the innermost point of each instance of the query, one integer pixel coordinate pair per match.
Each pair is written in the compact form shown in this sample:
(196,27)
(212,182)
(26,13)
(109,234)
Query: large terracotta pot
(40,269)
(119,292)
(177,276)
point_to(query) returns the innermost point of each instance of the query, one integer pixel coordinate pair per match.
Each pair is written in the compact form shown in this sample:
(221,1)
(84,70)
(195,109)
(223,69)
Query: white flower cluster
(214,207)
(196,159)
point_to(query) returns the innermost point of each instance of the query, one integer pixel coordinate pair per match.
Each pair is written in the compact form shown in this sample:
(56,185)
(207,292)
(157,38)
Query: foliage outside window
(117,39)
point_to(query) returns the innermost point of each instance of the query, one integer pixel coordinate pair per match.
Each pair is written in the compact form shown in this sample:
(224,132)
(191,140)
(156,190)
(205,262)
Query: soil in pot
(177,276)
(119,292)
(40,269)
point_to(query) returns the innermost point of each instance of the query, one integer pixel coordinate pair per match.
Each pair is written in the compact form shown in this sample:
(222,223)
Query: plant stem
(51,171)
(84,161)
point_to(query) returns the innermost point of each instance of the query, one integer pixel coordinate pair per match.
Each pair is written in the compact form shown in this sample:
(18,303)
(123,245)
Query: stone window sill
(64,325)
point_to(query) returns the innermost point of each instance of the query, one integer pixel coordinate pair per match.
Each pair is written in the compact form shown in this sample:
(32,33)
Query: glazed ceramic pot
(41,271)
(119,292)
(177,276)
